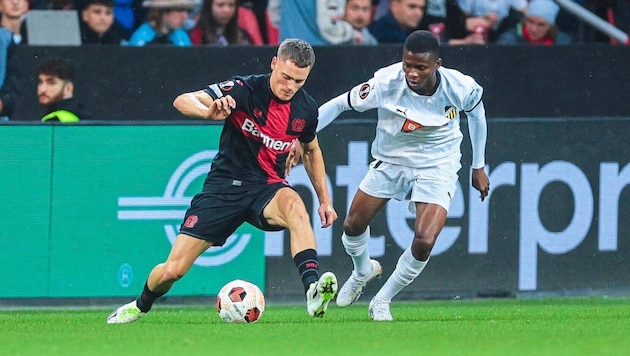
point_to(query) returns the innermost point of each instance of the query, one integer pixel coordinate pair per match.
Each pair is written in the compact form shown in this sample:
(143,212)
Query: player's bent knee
(422,246)
(353,227)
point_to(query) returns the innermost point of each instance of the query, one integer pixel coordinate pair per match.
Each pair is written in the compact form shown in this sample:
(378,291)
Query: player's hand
(294,156)
(328,215)
(481,182)
(221,108)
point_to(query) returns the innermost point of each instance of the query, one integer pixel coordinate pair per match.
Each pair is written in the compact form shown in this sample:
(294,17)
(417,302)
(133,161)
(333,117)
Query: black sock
(146,299)
(308,267)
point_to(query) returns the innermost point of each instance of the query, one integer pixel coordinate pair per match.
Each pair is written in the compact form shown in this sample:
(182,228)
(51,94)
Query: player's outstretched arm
(201,105)
(478,130)
(314,165)
(331,109)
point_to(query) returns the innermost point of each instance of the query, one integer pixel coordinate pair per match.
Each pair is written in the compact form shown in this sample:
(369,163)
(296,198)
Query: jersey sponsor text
(269,142)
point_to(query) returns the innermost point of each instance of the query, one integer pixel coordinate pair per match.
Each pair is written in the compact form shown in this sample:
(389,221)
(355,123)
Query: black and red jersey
(257,136)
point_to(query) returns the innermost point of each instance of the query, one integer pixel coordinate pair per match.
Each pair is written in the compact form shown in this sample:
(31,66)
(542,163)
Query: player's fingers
(330,215)
(324,220)
(230,102)
(484,193)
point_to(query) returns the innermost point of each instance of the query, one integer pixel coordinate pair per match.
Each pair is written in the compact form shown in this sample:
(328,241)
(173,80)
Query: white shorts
(433,185)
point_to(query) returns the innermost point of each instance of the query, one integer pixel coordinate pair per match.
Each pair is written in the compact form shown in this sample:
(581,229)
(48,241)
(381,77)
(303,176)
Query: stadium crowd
(319,22)
(334,22)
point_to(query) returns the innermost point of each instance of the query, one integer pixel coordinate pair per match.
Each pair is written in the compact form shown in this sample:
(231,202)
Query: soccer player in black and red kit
(264,116)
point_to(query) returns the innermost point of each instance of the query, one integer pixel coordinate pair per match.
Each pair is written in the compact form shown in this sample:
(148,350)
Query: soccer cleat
(125,314)
(379,310)
(352,289)
(320,293)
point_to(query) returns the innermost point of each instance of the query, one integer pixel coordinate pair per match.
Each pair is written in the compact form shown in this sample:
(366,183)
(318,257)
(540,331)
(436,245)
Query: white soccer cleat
(379,310)
(125,314)
(352,289)
(320,293)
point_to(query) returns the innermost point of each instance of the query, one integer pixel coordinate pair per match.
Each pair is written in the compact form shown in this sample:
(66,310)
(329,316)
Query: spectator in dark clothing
(537,28)
(98,25)
(55,91)
(451,25)
(403,17)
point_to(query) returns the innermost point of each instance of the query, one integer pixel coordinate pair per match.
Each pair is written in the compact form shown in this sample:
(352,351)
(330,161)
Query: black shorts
(220,209)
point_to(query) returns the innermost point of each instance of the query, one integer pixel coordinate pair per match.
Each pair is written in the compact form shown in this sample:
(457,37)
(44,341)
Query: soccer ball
(240,301)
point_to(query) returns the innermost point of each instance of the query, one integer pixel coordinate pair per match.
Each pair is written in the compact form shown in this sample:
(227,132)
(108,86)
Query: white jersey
(416,130)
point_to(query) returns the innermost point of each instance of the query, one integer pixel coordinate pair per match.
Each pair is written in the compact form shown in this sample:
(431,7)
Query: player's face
(287,78)
(420,69)
(98,17)
(51,89)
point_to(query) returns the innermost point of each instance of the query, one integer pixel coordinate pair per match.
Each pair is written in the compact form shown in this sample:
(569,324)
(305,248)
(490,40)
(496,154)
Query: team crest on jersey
(257,113)
(226,85)
(451,112)
(297,125)
(364,91)
(191,221)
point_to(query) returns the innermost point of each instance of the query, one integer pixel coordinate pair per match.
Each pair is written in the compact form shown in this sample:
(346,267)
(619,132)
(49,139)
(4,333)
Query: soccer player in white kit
(417,157)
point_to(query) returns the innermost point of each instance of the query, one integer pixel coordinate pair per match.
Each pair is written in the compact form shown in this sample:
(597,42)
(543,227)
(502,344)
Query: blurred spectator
(451,25)
(248,21)
(259,9)
(129,13)
(9,92)
(272,21)
(98,25)
(381,7)
(318,22)
(55,91)
(537,28)
(359,14)
(403,17)
(500,14)
(164,24)
(219,25)
(13,18)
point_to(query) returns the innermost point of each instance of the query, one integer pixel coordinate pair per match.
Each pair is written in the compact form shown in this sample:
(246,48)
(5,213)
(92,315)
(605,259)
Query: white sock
(407,269)
(357,248)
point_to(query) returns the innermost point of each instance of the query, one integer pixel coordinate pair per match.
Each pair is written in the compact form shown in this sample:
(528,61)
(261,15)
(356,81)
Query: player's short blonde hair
(298,51)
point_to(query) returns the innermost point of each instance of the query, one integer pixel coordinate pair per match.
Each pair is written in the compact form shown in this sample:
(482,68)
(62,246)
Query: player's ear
(274,62)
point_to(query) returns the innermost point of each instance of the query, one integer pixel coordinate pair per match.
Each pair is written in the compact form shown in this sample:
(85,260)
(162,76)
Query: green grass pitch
(557,326)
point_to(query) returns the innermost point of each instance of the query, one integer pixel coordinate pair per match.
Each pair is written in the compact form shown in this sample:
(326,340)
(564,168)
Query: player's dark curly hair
(422,41)
(57,67)
(298,51)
